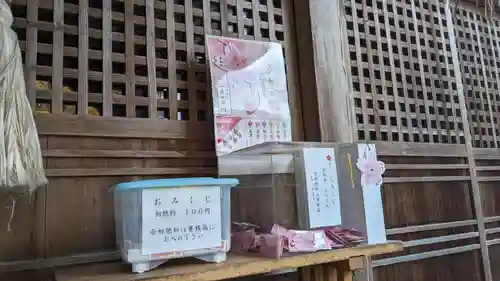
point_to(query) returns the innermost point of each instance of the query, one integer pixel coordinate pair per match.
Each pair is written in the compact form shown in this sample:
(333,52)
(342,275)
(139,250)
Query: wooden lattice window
(402,72)
(478,47)
(135,58)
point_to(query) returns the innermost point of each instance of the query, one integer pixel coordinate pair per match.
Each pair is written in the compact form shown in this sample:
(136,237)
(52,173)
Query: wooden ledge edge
(235,266)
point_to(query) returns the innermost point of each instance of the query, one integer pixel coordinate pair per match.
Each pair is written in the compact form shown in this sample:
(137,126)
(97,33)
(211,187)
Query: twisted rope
(21,163)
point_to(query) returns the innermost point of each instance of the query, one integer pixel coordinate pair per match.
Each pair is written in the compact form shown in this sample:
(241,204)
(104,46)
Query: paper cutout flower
(371,171)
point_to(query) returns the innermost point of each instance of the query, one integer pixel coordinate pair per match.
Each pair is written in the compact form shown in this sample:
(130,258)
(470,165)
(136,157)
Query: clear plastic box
(179,222)
(267,180)
(308,185)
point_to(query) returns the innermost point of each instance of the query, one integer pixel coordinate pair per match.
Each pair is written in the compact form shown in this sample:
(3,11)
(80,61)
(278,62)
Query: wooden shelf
(235,266)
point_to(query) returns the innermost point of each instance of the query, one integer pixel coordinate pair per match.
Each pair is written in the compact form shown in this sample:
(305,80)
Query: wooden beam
(115,127)
(235,266)
(425,255)
(324,71)
(83,58)
(476,192)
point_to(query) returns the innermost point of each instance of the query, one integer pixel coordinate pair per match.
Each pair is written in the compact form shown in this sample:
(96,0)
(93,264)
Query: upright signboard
(250,97)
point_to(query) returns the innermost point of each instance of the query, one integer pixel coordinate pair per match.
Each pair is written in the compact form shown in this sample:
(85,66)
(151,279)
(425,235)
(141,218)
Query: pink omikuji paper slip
(282,240)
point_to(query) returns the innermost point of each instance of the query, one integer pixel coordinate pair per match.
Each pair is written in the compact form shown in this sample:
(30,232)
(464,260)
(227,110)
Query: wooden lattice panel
(477,43)
(137,58)
(402,72)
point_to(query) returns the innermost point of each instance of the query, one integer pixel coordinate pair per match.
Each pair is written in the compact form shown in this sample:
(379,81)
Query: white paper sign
(372,194)
(322,187)
(180,219)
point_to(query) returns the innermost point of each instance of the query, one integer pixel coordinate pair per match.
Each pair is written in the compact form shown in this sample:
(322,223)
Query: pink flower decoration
(371,171)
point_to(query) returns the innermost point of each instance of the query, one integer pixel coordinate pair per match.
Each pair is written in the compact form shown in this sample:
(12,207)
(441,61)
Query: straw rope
(21,163)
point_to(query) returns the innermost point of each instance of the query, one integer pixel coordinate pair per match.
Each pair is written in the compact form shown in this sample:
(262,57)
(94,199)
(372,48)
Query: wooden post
(325,78)
(324,70)
(476,192)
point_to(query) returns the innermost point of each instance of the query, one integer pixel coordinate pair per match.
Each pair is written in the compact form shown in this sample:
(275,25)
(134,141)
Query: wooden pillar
(325,79)
(475,188)
(324,70)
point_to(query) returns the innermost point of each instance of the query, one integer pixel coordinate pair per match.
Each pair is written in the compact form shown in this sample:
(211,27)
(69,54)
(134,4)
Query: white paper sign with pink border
(250,97)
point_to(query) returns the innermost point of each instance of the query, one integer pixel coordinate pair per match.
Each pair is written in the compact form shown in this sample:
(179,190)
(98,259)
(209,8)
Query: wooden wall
(121,93)
(102,55)
(420,74)
(487,160)
(71,220)
(429,206)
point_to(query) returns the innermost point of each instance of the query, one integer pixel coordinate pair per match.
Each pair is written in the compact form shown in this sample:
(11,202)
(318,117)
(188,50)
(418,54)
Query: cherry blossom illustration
(232,59)
(248,83)
(371,169)
(252,101)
